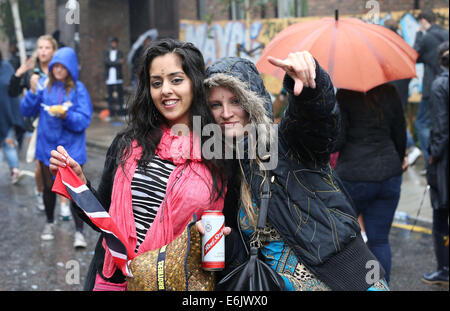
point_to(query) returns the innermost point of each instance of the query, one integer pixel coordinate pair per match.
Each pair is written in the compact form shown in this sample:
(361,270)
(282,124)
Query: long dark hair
(145,122)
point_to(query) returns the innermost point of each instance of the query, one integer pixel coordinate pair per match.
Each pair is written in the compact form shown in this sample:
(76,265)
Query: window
(237,10)
(292,8)
(201,9)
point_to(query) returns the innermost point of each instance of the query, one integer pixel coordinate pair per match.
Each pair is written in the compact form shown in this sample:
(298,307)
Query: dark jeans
(119,89)
(377,202)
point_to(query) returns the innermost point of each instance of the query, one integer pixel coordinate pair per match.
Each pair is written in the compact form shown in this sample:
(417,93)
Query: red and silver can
(213,241)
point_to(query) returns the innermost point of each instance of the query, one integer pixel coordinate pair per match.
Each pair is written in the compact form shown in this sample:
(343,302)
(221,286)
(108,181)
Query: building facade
(98,20)
(86,25)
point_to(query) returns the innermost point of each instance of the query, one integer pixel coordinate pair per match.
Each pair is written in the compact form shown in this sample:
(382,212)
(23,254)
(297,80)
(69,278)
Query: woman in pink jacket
(155,178)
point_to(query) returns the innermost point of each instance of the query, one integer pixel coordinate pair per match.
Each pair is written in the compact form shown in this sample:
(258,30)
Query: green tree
(247,7)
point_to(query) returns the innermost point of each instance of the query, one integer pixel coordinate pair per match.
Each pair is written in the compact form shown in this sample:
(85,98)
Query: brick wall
(188,9)
(99,20)
(322,7)
(51,19)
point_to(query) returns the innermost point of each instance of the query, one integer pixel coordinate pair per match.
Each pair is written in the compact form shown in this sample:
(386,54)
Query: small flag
(70,186)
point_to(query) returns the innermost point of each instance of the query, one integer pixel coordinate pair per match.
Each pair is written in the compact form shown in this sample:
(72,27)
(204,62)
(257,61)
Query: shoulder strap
(265,197)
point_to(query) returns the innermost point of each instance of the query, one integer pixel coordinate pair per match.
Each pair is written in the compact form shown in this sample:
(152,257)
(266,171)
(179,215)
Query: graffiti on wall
(221,39)
(228,38)
(224,38)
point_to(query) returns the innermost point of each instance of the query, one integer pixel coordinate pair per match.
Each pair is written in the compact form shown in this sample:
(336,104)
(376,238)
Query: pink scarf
(188,191)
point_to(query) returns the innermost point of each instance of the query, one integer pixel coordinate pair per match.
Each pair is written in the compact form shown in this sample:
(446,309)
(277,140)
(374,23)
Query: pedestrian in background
(136,59)
(402,86)
(113,61)
(154,179)
(438,170)
(14,57)
(426,44)
(295,241)
(11,121)
(372,148)
(64,108)
(28,75)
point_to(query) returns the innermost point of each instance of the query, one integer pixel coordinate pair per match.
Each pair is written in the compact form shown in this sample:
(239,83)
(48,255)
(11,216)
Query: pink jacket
(188,192)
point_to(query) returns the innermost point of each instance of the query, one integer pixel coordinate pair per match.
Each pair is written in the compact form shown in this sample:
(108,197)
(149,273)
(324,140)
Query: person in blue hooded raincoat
(65,111)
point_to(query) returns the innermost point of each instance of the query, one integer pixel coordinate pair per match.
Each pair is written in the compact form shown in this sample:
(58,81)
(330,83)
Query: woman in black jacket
(372,148)
(312,237)
(34,68)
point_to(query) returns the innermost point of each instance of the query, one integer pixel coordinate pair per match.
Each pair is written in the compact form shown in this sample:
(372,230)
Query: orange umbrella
(358,56)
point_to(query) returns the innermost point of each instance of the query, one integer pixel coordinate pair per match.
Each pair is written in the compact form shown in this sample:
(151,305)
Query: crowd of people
(324,222)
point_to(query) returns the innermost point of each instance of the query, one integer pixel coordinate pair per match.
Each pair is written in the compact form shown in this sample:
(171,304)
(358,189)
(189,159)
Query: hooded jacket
(308,207)
(54,131)
(426,44)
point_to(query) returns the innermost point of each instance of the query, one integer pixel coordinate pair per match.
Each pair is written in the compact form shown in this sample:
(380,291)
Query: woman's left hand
(60,158)
(300,66)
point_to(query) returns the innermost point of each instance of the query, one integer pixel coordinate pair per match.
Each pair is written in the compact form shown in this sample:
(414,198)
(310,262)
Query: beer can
(213,241)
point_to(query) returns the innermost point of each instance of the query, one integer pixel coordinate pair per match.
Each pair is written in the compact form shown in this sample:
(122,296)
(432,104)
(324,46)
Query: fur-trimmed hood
(241,76)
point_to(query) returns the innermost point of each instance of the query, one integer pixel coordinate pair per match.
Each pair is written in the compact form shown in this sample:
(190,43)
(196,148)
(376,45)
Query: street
(29,264)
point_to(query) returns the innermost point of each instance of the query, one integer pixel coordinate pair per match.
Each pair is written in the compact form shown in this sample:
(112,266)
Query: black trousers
(50,198)
(111,106)
(440,231)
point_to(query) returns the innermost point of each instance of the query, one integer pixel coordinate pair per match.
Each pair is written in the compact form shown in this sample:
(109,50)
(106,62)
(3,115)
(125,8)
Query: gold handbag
(173,267)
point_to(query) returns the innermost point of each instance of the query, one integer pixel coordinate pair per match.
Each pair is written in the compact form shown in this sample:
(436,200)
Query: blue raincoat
(54,131)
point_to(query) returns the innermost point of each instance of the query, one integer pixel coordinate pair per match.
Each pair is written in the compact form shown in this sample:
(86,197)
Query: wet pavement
(29,264)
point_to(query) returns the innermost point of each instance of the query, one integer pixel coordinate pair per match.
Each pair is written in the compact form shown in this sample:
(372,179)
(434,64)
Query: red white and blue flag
(70,186)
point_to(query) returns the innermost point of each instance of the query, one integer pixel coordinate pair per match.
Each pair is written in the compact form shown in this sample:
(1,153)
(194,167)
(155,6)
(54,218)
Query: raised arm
(31,103)
(311,122)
